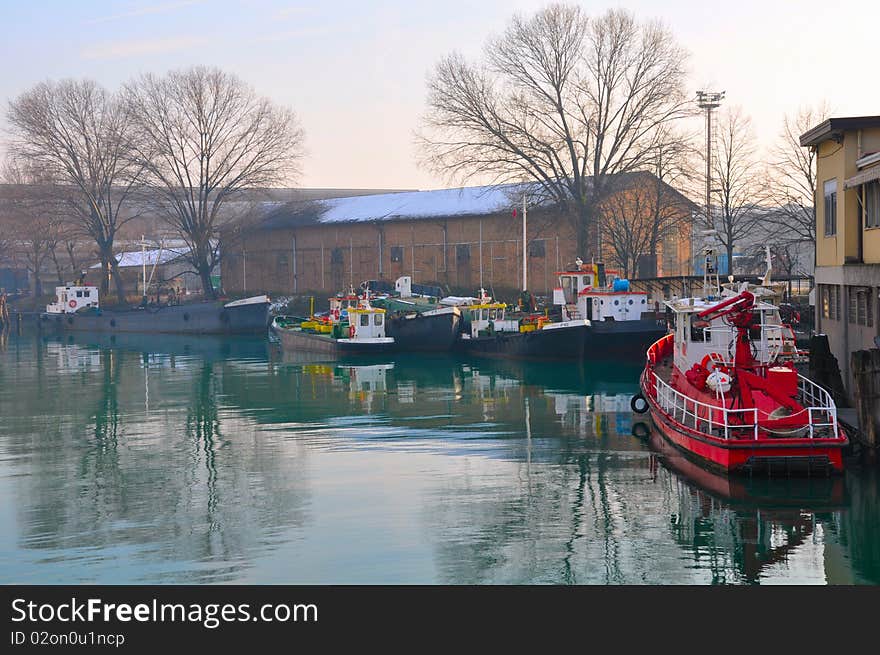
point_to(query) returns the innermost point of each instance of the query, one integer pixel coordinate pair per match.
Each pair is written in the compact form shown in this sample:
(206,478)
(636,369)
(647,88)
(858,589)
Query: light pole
(709,100)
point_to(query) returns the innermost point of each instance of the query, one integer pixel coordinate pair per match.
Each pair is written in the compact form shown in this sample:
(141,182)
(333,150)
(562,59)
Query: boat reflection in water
(759,521)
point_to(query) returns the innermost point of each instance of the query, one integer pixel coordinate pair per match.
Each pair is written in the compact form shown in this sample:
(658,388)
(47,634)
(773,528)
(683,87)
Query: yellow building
(847,234)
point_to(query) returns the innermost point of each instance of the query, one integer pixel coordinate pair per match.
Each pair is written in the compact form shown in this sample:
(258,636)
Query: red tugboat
(722,388)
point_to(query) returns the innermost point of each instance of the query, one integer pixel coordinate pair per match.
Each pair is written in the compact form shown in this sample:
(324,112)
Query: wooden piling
(865,366)
(824,369)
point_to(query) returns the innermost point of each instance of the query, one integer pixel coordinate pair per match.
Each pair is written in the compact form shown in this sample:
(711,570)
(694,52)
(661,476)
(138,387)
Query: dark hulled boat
(77,309)
(489,332)
(621,323)
(435,330)
(415,318)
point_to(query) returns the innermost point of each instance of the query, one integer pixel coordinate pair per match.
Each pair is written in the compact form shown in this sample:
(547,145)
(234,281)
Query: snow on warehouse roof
(148,257)
(466,201)
(440,203)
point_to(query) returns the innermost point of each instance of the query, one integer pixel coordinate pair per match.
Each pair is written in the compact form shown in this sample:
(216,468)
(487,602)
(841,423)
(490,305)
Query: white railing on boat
(716,421)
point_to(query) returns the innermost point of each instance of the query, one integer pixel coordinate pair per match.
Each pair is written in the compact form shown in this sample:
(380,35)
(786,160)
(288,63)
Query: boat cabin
(489,317)
(341,304)
(366,322)
(697,340)
(591,292)
(69,299)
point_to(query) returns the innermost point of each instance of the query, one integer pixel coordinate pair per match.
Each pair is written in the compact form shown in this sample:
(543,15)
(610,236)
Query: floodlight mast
(709,100)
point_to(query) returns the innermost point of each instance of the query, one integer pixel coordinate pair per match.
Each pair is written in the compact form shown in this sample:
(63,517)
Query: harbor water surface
(206,460)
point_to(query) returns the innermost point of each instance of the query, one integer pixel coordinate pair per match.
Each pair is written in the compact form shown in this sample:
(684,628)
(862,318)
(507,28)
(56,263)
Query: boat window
(378,319)
(365,320)
(491,314)
(568,287)
(698,326)
(586,280)
(79,294)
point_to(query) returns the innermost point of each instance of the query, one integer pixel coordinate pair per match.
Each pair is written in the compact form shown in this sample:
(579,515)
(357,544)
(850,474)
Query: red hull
(746,455)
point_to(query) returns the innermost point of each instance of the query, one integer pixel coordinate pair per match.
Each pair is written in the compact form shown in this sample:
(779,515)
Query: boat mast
(481,253)
(144,262)
(524,255)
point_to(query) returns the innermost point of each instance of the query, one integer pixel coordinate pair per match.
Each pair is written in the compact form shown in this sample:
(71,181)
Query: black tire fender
(638,404)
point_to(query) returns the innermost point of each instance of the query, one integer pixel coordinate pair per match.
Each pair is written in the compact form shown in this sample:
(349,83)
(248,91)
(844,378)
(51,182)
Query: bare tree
(204,136)
(794,184)
(739,179)
(77,133)
(32,218)
(559,99)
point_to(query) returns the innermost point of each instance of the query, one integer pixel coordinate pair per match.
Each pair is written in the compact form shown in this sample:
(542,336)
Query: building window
(396,253)
(860,306)
(463,252)
(831,208)
(536,248)
(872,204)
(336,256)
(830,295)
(282,261)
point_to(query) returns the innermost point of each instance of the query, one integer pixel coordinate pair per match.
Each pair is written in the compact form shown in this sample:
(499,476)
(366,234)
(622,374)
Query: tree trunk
(729,258)
(105,275)
(120,283)
(205,274)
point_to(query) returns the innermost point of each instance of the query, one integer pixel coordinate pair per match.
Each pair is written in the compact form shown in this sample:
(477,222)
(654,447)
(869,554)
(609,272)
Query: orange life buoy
(351,331)
(714,361)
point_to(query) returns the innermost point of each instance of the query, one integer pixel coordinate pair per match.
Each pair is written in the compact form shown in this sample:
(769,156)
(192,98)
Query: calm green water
(198,460)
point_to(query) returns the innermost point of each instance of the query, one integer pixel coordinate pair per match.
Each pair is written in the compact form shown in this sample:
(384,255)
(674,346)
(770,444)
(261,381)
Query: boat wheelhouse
(722,388)
(73,298)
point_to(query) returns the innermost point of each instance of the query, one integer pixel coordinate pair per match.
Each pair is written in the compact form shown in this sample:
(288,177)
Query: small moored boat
(351,327)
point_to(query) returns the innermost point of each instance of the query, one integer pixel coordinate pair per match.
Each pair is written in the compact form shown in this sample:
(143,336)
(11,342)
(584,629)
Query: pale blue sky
(355,71)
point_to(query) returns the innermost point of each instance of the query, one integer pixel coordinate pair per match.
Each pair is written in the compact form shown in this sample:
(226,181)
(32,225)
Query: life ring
(351,331)
(638,404)
(335,313)
(71,304)
(640,430)
(715,361)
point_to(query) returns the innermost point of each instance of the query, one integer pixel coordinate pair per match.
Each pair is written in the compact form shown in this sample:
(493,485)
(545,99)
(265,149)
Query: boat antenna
(524,248)
(481,253)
